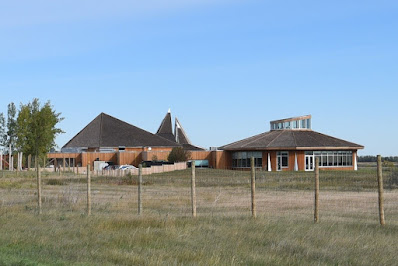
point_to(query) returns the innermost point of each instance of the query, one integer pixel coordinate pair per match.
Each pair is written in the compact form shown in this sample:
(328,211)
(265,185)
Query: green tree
(11,136)
(36,128)
(178,154)
(3,135)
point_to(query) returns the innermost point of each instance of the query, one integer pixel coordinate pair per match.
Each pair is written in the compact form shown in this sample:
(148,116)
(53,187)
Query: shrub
(178,154)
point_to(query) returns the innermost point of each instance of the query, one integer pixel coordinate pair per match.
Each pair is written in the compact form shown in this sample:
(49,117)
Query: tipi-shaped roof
(108,131)
(166,128)
(181,136)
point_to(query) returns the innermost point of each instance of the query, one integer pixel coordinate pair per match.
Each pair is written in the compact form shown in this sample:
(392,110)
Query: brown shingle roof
(108,131)
(166,128)
(290,139)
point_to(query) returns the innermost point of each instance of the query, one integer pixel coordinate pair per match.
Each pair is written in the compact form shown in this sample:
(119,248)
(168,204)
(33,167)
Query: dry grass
(223,233)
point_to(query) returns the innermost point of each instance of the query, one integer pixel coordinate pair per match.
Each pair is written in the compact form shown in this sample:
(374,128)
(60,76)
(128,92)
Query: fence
(343,195)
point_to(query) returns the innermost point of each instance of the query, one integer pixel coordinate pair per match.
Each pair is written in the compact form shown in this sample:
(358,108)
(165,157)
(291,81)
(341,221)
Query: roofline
(295,148)
(291,119)
(177,122)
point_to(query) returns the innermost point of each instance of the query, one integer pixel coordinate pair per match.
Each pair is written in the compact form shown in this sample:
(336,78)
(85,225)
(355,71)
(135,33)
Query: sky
(225,68)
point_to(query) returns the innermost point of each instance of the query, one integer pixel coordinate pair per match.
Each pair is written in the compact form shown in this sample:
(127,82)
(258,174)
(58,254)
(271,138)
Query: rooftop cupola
(294,123)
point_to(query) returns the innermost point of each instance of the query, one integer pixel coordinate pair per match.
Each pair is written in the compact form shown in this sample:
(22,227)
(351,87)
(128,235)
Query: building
(291,145)
(107,138)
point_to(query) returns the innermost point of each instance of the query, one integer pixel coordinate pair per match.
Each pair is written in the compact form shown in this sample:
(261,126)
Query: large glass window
(241,159)
(333,159)
(293,124)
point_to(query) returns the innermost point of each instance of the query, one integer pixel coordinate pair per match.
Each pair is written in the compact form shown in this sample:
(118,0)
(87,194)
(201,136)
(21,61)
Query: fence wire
(344,195)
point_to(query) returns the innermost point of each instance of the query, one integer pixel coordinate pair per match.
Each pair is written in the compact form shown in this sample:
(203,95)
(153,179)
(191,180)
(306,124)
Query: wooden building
(291,145)
(107,138)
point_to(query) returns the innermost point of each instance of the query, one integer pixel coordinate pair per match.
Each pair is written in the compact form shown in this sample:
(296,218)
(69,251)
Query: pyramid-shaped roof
(166,128)
(108,131)
(291,139)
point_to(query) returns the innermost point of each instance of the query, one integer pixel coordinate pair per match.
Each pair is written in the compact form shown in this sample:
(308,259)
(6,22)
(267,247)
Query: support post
(18,161)
(29,162)
(1,160)
(10,158)
(88,190)
(253,186)
(64,164)
(316,205)
(139,189)
(354,154)
(381,190)
(193,189)
(38,184)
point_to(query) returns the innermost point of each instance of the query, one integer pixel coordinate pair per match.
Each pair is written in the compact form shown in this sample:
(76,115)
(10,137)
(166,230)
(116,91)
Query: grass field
(223,232)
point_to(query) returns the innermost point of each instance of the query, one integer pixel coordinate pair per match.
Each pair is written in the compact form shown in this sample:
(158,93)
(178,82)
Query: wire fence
(343,196)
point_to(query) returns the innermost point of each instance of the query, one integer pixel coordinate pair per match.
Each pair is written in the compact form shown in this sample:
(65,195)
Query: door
(309,162)
(279,163)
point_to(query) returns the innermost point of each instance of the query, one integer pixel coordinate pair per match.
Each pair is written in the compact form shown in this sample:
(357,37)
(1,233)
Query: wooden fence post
(38,184)
(381,190)
(253,186)
(88,190)
(193,189)
(316,205)
(139,189)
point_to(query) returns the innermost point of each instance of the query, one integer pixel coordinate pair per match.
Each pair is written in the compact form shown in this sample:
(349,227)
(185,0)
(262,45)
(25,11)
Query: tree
(11,136)
(36,128)
(3,135)
(178,154)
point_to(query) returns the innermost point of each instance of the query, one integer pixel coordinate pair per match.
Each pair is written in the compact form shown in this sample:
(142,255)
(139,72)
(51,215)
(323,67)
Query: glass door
(309,162)
(279,163)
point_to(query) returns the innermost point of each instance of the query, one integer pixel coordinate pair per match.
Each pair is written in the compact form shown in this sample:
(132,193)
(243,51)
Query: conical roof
(108,131)
(166,128)
(291,139)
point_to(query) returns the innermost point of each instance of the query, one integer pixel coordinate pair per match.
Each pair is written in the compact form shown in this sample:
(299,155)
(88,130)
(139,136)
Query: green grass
(223,233)
(55,239)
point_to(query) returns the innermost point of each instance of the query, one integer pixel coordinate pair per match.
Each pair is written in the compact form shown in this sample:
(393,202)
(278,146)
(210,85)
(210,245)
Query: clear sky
(224,67)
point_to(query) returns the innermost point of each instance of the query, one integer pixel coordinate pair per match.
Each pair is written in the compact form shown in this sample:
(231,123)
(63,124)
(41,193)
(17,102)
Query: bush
(178,154)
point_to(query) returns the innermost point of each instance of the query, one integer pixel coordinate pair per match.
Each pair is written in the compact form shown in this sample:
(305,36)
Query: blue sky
(225,68)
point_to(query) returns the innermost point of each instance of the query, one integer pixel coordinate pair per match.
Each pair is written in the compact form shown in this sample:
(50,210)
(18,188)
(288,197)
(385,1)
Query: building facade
(291,145)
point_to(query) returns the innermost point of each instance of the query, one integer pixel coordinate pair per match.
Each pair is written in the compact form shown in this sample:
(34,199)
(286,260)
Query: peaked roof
(108,131)
(291,139)
(166,128)
(181,136)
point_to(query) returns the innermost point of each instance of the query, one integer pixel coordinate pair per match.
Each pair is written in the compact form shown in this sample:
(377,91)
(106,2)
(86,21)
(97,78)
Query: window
(303,124)
(332,159)
(243,159)
(283,159)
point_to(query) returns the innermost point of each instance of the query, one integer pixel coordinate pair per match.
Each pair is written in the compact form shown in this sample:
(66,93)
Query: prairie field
(223,232)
